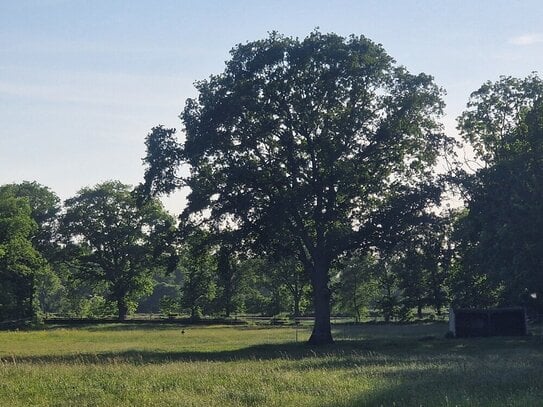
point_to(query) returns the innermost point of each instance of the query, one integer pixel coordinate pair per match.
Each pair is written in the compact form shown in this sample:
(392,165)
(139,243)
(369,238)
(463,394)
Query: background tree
(44,210)
(119,242)
(494,113)
(422,265)
(356,286)
(290,274)
(389,300)
(199,270)
(20,262)
(230,281)
(255,294)
(166,285)
(501,238)
(323,138)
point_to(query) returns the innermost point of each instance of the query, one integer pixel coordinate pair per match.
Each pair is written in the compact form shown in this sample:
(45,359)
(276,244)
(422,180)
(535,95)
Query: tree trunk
(122,308)
(296,306)
(322,330)
(419,311)
(358,317)
(228,301)
(227,311)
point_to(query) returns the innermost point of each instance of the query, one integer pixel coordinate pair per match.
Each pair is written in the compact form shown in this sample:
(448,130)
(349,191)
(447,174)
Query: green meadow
(370,365)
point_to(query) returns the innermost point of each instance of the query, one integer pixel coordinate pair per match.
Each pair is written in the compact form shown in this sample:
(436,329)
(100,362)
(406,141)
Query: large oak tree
(324,142)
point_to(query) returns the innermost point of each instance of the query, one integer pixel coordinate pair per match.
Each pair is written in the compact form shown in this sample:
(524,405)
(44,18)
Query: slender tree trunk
(122,308)
(193,313)
(296,306)
(30,307)
(355,302)
(322,329)
(419,311)
(228,301)
(227,311)
(358,317)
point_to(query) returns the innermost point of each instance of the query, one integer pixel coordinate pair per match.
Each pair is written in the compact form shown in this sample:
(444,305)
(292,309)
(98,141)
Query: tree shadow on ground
(450,382)
(166,325)
(128,327)
(343,353)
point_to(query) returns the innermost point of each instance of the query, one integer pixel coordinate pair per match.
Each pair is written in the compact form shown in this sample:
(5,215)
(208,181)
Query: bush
(97,306)
(168,305)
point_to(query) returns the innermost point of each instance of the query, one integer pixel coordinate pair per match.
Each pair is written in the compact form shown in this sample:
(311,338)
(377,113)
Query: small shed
(464,323)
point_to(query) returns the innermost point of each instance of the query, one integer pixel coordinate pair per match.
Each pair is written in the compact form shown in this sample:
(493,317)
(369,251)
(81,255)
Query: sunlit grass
(110,365)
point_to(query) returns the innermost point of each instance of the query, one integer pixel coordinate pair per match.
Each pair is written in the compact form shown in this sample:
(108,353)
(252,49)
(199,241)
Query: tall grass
(126,365)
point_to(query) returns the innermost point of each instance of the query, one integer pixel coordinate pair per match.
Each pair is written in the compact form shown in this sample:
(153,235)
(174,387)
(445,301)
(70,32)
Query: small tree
(290,273)
(422,263)
(356,285)
(230,281)
(198,267)
(168,305)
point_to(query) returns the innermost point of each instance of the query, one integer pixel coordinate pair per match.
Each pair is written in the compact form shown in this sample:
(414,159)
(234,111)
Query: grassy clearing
(105,365)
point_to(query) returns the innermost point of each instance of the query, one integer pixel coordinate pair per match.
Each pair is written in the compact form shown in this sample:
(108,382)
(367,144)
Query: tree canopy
(44,210)
(494,112)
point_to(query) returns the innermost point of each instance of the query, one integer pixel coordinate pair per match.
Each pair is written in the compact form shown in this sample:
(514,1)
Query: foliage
(323,140)
(388,302)
(256,293)
(169,305)
(44,210)
(500,237)
(49,290)
(290,280)
(494,113)
(96,306)
(20,263)
(356,286)
(470,285)
(163,159)
(198,267)
(230,281)
(422,263)
(166,285)
(118,242)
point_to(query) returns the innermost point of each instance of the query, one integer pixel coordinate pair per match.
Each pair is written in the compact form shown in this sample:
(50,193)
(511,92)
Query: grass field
(133,365)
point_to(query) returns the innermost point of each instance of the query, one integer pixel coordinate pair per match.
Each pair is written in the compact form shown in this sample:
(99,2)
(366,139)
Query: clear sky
(83,82)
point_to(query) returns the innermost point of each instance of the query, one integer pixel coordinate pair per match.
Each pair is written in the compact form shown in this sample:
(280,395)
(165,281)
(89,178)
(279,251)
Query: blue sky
(83,82)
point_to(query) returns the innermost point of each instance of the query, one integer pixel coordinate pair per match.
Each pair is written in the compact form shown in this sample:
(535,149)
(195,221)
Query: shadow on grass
(344,353)
(453,382)
(166,325)
(92,327)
